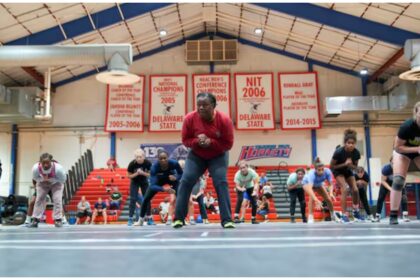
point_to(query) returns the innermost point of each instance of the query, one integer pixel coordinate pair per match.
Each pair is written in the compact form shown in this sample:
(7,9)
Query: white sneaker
(140,222)
(192,222)
(370,218)
(405,217)
(169,222)
(310,219)
(206,221)
(377,218)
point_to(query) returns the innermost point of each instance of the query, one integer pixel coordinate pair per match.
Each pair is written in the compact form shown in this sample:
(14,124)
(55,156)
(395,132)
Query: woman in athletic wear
(165,175)
(386,183)
(343,162)
(406,152)
(314,181)
(49,176)
(246,181)
(362,181)
(295,188)
(138,171)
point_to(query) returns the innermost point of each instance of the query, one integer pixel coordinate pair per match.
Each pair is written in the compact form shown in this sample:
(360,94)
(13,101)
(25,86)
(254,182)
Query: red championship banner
(124,107)
(254,101)
(299,103)
(218,84)
(168,102)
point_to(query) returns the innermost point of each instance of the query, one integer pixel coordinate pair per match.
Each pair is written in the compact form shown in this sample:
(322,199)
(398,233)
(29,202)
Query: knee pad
(398,183)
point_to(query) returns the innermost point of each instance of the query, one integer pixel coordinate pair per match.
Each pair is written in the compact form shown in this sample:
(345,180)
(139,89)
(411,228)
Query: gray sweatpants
(42,190)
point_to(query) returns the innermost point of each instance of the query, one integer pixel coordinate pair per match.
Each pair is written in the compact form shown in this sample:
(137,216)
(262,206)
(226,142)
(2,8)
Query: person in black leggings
(386,183)
(295,188)
(164,177)
(138,171)
(362,181)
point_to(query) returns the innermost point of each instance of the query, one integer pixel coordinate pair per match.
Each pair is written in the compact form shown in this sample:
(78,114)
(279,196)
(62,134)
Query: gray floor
(271,249)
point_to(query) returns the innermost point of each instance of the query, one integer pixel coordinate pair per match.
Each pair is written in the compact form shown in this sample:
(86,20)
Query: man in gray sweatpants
(49,176)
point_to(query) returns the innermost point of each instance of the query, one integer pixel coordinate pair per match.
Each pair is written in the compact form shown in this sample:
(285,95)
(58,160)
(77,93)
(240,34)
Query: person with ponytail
(343,163)
(49,176)
(406,156)
(314,181)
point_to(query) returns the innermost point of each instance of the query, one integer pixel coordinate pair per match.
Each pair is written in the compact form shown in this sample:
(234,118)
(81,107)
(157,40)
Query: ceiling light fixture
(364,72)
(163,33)
(117,73)
(258,31)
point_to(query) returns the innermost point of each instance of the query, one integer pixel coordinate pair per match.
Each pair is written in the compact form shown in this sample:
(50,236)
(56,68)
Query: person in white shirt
(209,202)
(49,176)
(83,210)
(164,209)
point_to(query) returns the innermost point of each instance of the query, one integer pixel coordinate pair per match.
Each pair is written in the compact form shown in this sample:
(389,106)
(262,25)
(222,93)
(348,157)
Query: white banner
(218,84)
(124,108)
(299,100)
(254,101)
(168,102)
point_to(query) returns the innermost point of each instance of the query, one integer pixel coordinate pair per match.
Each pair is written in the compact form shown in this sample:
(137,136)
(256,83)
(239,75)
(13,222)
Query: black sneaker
(58,223)
(393,220)
(254,222)
(33,224)
(304,220)
(292,220)
(236,220)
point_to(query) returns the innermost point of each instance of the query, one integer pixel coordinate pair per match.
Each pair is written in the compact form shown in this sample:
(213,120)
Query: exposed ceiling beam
(37,76)
(386,65)
(343,21)
(83,25)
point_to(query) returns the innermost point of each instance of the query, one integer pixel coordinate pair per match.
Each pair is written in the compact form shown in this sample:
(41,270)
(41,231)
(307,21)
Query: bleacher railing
(77,175)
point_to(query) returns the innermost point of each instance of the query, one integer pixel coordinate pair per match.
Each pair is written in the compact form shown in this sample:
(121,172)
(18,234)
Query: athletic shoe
(140,222)
(229,225)
(393,220)
(130,222)
(168,222)
(345,219)
(34,223)
(254,222)
(206,221)
(192,222)
(357,217)
(304,220)
(242,220)
(177,224)
(337,216)
(292,220)
(236,220)
(377,218)
(405,217)
(370,218)
(311,219)
(150,222)
(58,223)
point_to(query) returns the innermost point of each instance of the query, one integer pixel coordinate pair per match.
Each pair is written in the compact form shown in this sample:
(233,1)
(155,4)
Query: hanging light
(258,30)
(364,72)
(163,33)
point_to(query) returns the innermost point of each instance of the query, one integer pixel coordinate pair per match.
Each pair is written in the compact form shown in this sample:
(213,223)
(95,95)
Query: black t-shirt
(134,166)
(340,156)
(410,132)
(365,177)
